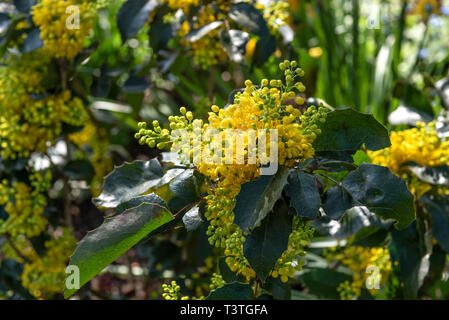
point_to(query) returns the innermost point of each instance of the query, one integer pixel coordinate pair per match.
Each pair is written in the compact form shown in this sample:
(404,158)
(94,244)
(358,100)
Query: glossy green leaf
(265,245)
(133,15)
(256,199)
(128,181)
(382,192)
(408,249)
(347,129)
(232,291)
(304,195)
(234,42)
(114,237)
(248,17)
(438,209)
(32,42)
(336,201)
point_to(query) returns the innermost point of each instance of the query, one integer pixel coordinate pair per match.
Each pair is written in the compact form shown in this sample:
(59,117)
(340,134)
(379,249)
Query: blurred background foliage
(389,58)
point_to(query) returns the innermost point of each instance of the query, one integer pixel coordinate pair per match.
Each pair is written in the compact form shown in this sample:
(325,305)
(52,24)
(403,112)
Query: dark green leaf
(192,219)
(347,129)
(100,86)
(407,248)
(161,32)
(352,221)
(382,192)
(323,283)
(135,84)
(265,245)
(438,208)
(32,42)
(304,195)
(278,289)
(79,170)
(256,199)
(248,17)
(133,15)
(232,291)
(129,181)
(115,236)
(24,6)
(371,237)
(265,47)
(137,201)
(336,201)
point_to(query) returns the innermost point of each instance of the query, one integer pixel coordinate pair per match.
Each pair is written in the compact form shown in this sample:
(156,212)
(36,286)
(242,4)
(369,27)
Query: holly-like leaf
(382,192)
(304,195)
(137,201)
(265,245)
(129,181)
(347,130)
(133,15)
(192,219)
(438,208)
(115,236)
(256,199)
(232,291)
(197,34)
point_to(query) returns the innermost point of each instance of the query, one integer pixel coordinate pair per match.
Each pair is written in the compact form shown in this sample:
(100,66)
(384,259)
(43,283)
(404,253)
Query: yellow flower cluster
(276,13)
(44,276)
(64,33)
(420,145)
(25,205)
(30,119)
(372,264)
(262,108)
(208,50)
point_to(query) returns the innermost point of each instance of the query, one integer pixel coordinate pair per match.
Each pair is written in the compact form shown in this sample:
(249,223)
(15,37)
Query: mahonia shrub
(262,200)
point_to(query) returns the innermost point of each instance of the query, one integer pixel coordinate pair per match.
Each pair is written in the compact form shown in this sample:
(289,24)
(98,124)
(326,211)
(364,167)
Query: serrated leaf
(133,15)
(256,199)
(265,245)
(232,291)
(382,192)
(304,195)
(137,201)
(347,129)
(438,208)
(128,181)
(197,34)
(115,236)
